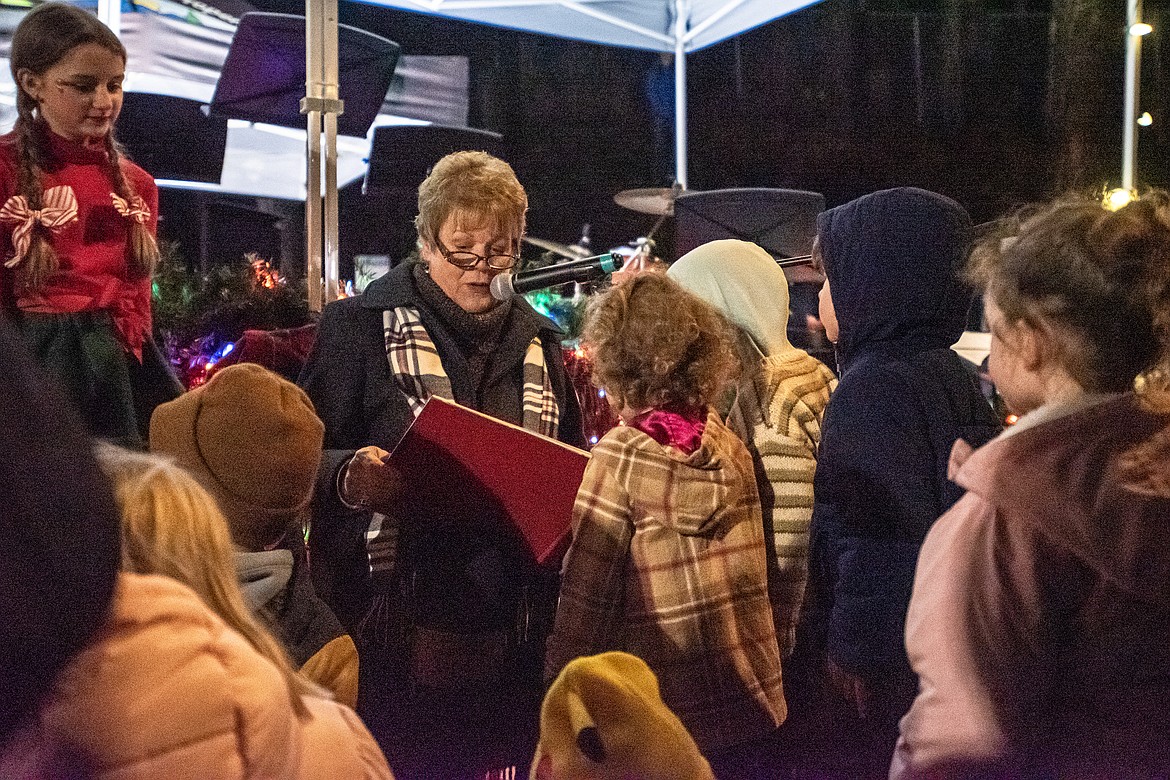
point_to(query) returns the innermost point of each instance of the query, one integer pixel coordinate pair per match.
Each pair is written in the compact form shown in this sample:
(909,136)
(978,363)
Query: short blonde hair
(652,343)
(483,187)
(173,527)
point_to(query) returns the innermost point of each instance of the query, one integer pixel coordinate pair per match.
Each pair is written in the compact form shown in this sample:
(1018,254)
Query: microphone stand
(790,262)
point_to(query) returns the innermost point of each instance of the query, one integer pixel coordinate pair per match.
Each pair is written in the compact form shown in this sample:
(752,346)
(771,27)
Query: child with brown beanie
(253,440)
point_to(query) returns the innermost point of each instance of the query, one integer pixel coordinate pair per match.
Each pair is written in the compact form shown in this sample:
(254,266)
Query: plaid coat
(667,563)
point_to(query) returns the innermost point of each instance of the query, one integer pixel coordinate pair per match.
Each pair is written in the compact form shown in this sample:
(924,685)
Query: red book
(462,466)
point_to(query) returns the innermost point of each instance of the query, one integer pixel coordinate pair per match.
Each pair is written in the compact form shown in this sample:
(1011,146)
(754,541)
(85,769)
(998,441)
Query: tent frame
(321,107)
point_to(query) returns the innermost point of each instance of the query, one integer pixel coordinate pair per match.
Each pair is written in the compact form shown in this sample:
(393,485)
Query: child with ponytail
(77,222)
(1040,622)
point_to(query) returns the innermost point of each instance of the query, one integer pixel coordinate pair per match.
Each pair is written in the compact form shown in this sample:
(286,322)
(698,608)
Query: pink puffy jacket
(166,689)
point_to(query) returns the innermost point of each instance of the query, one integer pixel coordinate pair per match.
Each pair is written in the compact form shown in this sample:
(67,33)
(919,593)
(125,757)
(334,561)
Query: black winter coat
(893,260)
(349,380)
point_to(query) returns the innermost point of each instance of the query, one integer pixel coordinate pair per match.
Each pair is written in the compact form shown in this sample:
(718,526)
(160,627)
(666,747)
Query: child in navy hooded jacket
(894,261)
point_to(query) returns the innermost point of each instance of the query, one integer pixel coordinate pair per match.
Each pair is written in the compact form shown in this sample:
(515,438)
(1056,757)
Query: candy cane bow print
(134,209)
(60,208)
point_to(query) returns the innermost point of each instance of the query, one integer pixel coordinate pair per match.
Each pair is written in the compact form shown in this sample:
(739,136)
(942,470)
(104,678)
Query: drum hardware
(653,200)
(564,250)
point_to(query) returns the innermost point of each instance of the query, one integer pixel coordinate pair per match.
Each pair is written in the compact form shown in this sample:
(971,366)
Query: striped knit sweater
(792,390)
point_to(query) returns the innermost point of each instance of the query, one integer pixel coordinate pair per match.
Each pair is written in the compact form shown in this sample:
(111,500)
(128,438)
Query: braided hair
(43,38)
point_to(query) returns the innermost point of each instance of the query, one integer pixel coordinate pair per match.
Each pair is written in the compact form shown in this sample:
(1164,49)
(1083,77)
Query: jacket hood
(263,575)
(1063,476)
(894,261)
(698,489)
(745,284)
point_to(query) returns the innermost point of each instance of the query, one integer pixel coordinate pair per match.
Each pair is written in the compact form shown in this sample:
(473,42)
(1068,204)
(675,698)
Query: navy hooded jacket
(894,260)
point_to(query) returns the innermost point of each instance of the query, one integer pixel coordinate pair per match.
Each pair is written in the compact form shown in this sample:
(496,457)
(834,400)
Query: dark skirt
(114,393)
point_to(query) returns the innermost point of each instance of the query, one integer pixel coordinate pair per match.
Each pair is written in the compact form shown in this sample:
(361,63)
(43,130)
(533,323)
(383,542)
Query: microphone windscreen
(501,287)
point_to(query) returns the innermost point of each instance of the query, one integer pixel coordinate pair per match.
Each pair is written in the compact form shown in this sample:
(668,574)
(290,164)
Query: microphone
(505,286)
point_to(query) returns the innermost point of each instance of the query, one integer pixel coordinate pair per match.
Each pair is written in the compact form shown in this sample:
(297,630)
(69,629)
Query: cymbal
(655,200)
(564,250)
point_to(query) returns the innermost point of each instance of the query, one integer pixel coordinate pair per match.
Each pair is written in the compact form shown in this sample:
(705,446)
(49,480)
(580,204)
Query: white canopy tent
(674,26)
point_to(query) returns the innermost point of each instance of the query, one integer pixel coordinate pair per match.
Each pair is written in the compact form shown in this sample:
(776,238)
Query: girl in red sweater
(77,223)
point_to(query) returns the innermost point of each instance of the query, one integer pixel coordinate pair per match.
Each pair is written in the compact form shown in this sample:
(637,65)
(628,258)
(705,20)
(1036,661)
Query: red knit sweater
(92,249)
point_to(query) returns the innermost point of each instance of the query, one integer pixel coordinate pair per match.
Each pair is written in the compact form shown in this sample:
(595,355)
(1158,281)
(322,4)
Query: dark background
(993,103)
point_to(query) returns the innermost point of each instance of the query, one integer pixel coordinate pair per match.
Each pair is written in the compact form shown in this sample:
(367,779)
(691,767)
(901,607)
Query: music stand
(784,222)
(263,77)
(172,138)
(401,156)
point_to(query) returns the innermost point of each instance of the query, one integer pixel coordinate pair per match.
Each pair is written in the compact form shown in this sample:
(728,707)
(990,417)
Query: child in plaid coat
(668,560)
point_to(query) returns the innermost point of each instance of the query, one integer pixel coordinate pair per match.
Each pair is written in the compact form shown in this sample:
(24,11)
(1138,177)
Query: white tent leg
(313,216)
(110,12)
(1133,64)
(321,106)
(681,13)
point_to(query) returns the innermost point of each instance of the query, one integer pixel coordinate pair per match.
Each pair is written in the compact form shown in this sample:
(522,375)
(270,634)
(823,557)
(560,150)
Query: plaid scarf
(418,372)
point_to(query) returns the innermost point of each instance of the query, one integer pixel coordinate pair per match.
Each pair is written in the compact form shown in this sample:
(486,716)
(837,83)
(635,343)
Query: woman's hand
(370,481)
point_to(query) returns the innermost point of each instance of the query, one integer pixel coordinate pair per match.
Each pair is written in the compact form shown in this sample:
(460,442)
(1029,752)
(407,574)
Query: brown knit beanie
(253,440)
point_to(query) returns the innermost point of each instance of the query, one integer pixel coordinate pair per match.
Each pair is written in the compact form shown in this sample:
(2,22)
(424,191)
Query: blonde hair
(653,343)
(173,527)
(483,187)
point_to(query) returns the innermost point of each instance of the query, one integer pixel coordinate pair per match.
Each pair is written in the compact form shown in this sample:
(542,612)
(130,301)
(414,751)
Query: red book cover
(462,466)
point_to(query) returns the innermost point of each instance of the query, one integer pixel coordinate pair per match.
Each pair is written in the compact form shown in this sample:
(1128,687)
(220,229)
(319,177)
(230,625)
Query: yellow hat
(603,719)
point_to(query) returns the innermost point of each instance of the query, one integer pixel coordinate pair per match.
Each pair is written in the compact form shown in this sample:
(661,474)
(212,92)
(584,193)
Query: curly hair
(655,344)
(476,183)
(1099,278)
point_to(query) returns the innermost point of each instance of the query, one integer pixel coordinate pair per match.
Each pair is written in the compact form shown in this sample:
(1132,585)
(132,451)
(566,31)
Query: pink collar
(673,426)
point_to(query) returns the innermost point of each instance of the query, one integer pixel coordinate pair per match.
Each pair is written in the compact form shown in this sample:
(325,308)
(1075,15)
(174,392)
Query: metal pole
(314,13)
(321,107)
(1133,64)
(681,13)
(110,12)
(331,93)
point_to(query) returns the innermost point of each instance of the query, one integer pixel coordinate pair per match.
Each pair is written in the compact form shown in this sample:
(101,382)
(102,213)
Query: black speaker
(401,156)
(172,138)
(263,77)
(784,222)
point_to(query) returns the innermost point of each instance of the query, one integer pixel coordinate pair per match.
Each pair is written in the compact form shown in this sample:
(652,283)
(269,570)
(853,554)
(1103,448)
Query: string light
(1118,198)
(1140,29)
(1145,120)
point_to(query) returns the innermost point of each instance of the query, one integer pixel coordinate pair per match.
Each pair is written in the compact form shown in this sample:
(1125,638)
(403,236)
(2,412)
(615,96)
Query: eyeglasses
(468,260)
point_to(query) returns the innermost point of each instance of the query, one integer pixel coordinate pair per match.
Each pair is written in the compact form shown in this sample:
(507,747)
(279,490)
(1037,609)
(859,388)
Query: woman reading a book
(448,617)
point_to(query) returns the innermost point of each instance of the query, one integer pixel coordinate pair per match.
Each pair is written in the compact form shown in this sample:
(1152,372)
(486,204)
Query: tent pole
(110,12)
(330,69)
(681,12)
(321,106)
(314,10)
(1133,60)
